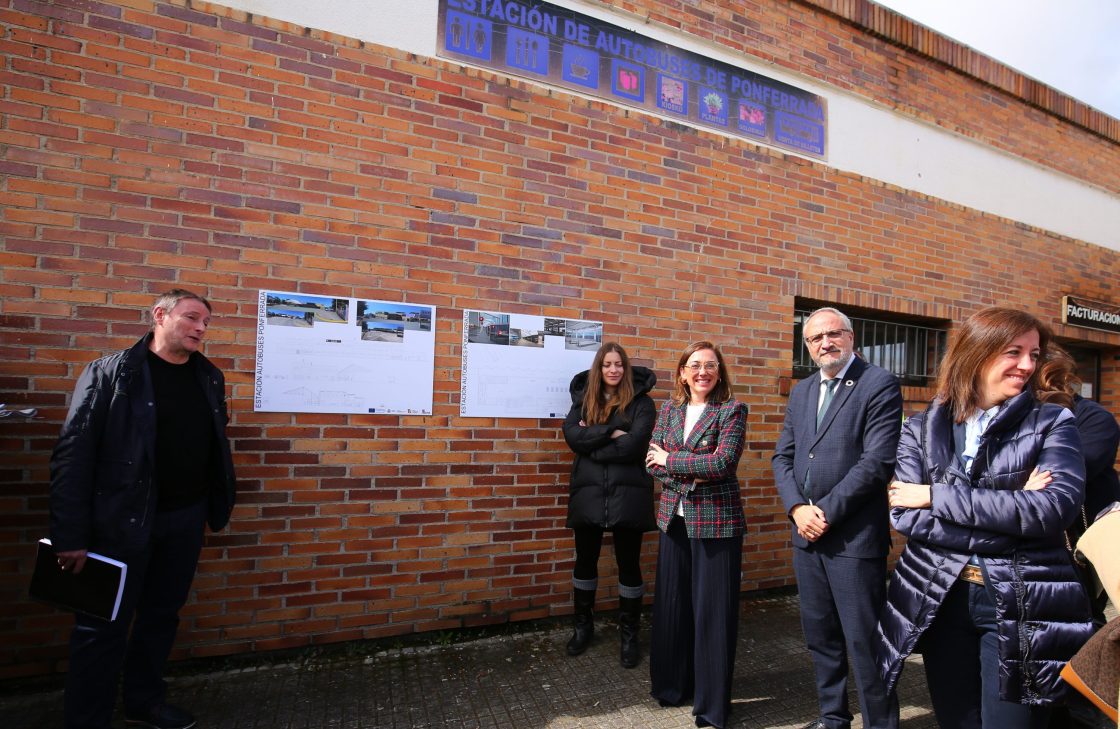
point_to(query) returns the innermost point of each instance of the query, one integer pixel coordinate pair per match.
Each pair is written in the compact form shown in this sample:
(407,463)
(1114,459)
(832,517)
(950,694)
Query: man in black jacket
(143,463)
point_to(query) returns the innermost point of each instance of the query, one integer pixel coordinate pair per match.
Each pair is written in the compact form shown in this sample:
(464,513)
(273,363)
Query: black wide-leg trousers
(695,622)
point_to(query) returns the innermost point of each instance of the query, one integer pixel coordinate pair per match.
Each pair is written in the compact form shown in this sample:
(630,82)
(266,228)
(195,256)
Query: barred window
(911,351)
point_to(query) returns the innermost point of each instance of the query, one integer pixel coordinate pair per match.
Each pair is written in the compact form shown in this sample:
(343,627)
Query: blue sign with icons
(580,66)
(528,51)
(561,47)
(799,133)
(628,80)
(713,106)
(672,94)
(752,118)
(469,35)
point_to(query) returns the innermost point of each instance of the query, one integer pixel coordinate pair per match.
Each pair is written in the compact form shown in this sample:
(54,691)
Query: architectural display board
(520,366)
(564,48)
(319,354)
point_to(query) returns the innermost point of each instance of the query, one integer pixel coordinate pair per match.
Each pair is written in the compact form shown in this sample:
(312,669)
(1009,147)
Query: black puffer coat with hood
(610,487)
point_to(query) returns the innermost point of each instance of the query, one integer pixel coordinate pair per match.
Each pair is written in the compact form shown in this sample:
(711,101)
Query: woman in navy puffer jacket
(987,480)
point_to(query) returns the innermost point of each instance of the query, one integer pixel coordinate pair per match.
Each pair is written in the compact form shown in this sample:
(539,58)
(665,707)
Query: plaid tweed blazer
(713,508)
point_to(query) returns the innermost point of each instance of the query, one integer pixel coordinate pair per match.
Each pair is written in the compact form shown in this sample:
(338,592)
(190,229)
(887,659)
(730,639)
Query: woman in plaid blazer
(694,454)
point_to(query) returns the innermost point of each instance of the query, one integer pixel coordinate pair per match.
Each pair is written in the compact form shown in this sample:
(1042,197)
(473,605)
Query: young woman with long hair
(608,428)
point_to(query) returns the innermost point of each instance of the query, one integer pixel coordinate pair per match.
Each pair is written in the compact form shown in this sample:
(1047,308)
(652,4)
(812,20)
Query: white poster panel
(323,354)
(519,366)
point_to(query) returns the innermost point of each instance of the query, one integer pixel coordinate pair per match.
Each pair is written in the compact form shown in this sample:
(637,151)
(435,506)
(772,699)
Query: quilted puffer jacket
(1042,611)
(610,487)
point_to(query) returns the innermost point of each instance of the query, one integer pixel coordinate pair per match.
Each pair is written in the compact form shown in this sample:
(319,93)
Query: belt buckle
(971,573)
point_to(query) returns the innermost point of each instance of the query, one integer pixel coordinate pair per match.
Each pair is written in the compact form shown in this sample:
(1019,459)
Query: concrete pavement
(518,681)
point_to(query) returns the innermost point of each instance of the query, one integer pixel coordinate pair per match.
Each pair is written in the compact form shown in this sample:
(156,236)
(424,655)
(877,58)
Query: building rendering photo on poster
(519,366)
(323,354)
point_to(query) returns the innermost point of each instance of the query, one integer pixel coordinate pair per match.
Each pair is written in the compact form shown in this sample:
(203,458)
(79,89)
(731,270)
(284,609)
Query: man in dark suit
(832,464)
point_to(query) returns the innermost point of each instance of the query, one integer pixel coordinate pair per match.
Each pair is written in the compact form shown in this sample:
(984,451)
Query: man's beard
(833,368)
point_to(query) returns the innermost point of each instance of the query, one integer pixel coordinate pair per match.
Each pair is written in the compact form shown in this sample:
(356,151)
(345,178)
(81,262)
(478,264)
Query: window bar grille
(910,351)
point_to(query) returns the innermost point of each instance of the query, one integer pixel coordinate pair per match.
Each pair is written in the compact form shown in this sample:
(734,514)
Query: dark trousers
(961,655)
(627,555)
(695,622)
(841,598)
(157,585)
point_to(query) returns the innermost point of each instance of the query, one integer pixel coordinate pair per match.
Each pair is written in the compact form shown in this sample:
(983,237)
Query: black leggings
(627,554)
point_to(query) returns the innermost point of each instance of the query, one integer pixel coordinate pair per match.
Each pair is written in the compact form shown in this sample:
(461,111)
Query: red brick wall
(148,144)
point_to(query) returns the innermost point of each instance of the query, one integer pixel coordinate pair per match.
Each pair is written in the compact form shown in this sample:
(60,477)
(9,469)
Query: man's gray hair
(170,299)
(830,310)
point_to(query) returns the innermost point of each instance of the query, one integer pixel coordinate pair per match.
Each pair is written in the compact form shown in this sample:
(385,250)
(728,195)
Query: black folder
(96,590)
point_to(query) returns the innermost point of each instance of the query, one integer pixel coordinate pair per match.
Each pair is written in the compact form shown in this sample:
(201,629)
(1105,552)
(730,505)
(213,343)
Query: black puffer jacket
(610,487)
(1100,436)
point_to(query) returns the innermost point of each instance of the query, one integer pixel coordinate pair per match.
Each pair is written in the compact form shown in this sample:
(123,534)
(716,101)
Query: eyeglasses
(694,367)
(831,334)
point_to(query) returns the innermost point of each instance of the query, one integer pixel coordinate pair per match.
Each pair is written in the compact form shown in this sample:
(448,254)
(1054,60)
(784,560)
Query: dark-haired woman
(609,428)
(987,480)
(695,453)
(1100,434)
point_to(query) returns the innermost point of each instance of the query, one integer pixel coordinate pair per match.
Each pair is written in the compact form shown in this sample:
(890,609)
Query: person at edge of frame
(695,454)
(1100,436)
(141,466)
(832,464)
(608,428)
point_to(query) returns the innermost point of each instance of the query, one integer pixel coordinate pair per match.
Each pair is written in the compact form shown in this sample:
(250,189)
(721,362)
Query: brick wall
(150,144)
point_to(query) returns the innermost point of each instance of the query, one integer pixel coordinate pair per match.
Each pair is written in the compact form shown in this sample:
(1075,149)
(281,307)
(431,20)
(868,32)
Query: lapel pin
(849,383)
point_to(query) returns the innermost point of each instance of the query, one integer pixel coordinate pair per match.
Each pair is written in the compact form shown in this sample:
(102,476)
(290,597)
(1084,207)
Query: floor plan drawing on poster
(520,366)
(324,354)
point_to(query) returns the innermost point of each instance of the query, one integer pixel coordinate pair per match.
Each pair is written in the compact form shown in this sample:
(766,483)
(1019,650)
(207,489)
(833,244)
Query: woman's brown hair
(722,391)
(976,344)
(1057,378)
(597,406)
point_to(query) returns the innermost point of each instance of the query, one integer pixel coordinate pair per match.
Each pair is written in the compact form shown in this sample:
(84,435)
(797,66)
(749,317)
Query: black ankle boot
(629,619)
(583,621)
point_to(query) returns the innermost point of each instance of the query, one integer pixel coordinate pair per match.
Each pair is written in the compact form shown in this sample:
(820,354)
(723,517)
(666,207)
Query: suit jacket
(848,461)
(712,509)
